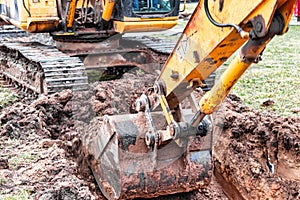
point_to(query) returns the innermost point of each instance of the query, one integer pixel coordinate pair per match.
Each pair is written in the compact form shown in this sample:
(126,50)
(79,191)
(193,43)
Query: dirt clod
(268,103)
(3,163)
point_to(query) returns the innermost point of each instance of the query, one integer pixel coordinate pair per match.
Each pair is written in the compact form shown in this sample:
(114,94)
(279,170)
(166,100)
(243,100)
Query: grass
(276,77)
(22,159)
(20,195)
(2,181)
(6,97)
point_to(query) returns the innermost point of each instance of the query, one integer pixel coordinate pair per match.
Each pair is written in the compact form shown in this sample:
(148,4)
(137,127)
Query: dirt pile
(37,140)
(34,143)
(257,154)
(118,96)
(39,146)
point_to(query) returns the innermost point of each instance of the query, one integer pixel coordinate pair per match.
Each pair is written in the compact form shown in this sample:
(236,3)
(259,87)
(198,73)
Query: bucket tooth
(125,168)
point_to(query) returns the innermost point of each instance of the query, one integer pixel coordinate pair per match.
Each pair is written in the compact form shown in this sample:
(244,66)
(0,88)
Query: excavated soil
(256,155)
(37,140)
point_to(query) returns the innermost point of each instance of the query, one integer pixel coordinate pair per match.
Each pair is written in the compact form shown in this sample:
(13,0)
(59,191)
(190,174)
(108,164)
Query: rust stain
(196,57)
(221,5)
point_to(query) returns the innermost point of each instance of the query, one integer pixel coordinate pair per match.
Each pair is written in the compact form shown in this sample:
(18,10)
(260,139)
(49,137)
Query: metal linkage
(184,129)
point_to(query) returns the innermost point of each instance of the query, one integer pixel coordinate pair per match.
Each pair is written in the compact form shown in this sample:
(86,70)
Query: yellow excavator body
(32,16)
(54,15)
(134,25)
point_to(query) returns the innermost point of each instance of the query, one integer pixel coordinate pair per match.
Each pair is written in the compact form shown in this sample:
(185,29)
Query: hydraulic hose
(214,22)
(29,14)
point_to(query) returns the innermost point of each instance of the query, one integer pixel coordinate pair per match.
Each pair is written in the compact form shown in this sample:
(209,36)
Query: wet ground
(256,155)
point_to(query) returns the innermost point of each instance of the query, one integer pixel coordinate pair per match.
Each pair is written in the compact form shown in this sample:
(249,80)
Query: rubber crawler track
(42,69)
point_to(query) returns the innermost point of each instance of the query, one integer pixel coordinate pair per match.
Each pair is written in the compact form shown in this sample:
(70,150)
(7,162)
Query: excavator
(88,37)
(166,147)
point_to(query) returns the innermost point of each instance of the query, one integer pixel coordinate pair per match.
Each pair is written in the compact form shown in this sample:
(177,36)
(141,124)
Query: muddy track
(22,95)
(7,85)
(8,32)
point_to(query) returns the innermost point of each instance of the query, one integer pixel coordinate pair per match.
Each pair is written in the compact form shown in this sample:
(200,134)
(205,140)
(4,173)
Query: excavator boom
(203,46)
(155,153)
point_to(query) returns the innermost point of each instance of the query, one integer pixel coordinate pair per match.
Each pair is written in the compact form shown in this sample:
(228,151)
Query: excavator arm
(206,44)
(169,151)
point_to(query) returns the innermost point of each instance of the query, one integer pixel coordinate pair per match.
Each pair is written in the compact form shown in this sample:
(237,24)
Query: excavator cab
(153,6)
(145,15)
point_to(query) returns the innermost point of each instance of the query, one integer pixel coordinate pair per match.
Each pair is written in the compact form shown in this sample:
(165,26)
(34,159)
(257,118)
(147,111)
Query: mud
(36,140)
(41,155)
(257,154)
(135,171)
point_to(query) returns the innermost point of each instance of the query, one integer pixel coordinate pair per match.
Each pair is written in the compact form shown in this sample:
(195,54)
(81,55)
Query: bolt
(258,27)
(174,75)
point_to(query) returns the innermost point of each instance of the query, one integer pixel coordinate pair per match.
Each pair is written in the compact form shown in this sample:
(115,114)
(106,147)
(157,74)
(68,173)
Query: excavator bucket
(125,168)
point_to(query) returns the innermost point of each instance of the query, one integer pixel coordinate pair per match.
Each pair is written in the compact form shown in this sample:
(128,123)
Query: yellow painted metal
(135,24)
(143,26)
(108,9)
(43,16)
(42,24)
(287,8)
(166,109)
(138,19)
(39,17)
(37,25)
(71,13)
(203,47)
(82,2)
(212,99)
(42,9)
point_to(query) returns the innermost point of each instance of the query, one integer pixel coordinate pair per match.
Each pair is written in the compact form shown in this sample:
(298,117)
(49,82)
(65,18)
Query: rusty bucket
(125,168)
